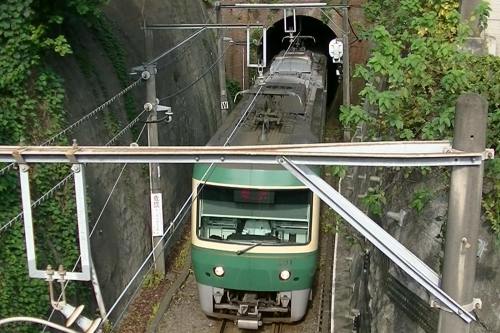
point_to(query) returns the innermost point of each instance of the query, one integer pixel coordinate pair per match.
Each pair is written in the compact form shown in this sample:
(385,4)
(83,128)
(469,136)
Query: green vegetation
(233,87)
(415,74)
(31,110)
(420,199)
(374,201)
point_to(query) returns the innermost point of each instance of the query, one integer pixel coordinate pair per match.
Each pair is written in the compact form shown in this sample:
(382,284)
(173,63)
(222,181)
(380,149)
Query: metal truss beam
(83,229)
(281,5)
(200,26)
(403,154)
(393,249)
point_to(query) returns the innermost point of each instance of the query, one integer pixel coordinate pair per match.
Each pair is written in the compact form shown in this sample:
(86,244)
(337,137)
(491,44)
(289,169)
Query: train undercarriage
(250,310)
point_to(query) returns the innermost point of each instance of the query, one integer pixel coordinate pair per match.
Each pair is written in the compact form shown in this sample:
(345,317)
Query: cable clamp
(489,154)
(476,304)
(148,107)
(70,154)
(18,157)
(145,75)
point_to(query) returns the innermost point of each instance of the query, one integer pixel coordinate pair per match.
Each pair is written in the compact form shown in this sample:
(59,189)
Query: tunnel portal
(305,26)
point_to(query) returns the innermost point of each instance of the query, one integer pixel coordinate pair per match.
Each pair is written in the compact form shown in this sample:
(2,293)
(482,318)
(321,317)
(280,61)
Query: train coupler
(249,323)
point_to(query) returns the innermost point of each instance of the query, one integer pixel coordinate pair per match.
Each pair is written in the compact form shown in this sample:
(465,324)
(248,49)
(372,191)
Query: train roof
(285,101)
(290,105)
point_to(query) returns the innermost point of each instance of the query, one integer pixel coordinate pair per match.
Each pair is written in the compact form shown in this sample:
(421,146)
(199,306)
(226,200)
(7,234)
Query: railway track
(226,326)
(223,324)
(276,328)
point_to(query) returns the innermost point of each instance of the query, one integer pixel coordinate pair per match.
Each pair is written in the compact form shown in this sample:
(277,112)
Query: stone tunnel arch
(306,26)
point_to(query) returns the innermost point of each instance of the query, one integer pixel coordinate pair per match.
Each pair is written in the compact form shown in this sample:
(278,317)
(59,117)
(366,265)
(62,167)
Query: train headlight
(219,271)
(285,275)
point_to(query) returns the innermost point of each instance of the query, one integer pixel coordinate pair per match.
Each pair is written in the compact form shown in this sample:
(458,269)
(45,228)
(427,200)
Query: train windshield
(246,216)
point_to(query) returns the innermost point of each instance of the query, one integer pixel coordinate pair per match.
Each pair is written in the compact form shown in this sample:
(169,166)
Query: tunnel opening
(306,26)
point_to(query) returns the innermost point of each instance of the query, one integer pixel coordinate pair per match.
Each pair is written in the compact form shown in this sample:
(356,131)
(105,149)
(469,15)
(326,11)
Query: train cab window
(272,217)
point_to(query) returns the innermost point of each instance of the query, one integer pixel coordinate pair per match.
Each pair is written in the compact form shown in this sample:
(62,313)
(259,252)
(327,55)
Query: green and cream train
(255,227)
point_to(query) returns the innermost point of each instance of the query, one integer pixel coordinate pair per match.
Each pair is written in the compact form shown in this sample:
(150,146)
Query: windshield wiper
(248,248)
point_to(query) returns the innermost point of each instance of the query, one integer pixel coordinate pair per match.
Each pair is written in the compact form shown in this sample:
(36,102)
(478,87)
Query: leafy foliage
(233,87)
(420,199)
(374,201)
(31,110)
(416,72)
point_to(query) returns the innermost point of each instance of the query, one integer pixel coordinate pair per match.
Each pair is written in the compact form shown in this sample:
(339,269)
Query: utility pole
(224,104)
(346,83)
(467,13)
(154,168)
(474,44)
(464,209)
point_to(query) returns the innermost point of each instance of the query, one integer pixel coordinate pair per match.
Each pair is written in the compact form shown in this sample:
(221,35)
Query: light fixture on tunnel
(336,50)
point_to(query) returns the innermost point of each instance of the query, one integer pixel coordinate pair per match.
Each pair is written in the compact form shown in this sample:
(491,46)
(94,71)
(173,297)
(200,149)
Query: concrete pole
(464,209)
(154,168)
(224,104)
(474,44)
(346,83)
(467,13)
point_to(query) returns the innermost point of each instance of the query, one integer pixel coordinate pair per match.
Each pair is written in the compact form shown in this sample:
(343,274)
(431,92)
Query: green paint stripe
(248,176)
(254,271)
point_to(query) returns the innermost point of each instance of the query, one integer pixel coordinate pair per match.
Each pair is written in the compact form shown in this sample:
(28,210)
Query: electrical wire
(184,51)
(184,209)
(349,22)
(97,222)
(125,129)
(209,69)
(50,192)
(154,60)
(38,201)
(82,120)
(331,20)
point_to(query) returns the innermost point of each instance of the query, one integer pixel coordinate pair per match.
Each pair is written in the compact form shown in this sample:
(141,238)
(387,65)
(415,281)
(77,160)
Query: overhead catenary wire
(50,192)
(109,101)
(184,51)
(184,209)
(38,201)
(350,24)
(113,188)
(82,119)
(154,60)
(208,70)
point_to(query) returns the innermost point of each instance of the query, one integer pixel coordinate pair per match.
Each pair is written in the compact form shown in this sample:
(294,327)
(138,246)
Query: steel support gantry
(295,158)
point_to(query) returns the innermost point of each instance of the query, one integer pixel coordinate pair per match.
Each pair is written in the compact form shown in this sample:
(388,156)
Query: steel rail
(417,153)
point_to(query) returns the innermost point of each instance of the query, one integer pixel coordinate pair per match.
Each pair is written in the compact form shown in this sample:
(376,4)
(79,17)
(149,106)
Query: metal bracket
(70,154)
(489,154)
(83,230)
(380,238)
(476,304)
(285,21)
(145,75)
(18,157)
(263,62)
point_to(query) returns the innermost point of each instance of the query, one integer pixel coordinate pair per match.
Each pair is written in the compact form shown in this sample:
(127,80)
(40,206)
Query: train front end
(254,244)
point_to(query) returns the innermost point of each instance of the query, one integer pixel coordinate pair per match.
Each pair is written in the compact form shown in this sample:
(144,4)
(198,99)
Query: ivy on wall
(31,110)
(415,74)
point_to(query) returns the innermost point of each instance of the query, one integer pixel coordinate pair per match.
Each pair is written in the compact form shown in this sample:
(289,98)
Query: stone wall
(123,237)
